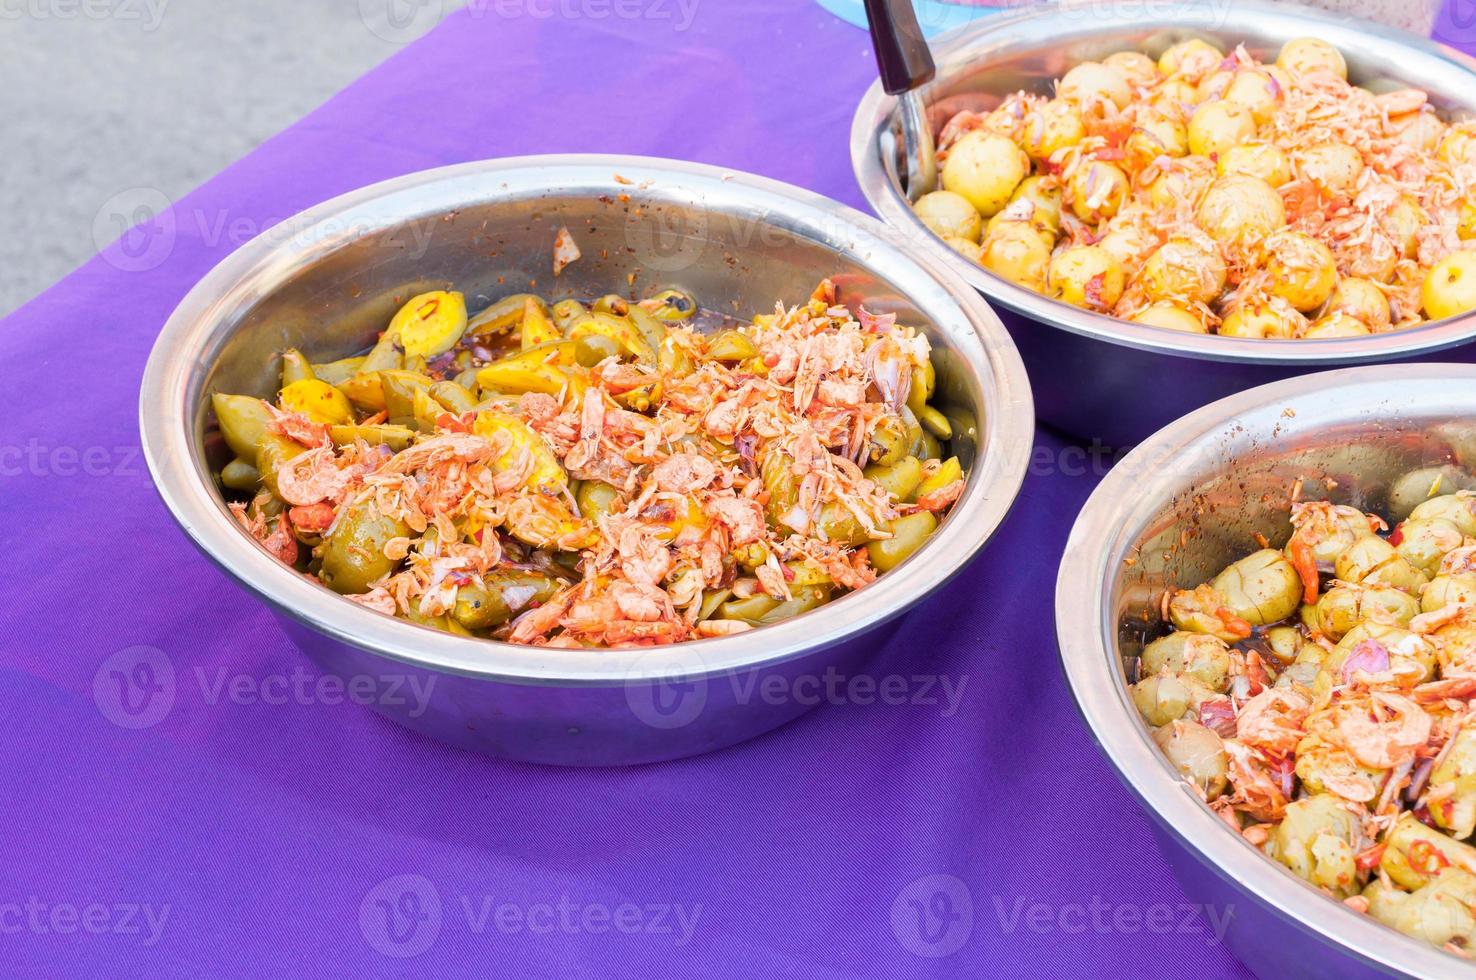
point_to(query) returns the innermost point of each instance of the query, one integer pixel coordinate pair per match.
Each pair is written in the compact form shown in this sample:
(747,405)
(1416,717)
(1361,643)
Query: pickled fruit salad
(1210,193)
(603,475)
(1320,697)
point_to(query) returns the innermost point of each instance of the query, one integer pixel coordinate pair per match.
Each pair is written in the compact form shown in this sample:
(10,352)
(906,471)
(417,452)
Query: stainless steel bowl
(1176,510)
(1094,376)
(327,282)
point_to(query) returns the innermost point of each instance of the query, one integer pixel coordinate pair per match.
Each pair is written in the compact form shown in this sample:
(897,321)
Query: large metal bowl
(1094,376)
(1175,511)
(327,282)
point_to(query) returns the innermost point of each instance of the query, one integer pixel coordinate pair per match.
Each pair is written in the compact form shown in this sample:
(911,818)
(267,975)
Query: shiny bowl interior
(1189,501)
(980,63)
(328,280)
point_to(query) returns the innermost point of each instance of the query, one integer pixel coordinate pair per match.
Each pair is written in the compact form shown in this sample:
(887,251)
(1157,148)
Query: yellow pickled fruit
(1336,325)
(318,400)
(1213,85)
(1171,316)
(966,247)
(1178,180)
(1458,145)
(1136,67)
(1466,221)
(1130,246)
(949,215)
(1333,167)
(430,324)
(542,369)
(985,169)
(1175,97)
(1050,127)
(1257,91)
(1263,160)
(615,328)
(1361,298)
(1306,55)
(537,329)
(1016,252)
(1239,211)
(1097,191)
(1420,130)
(1217,126)
(1088,276)
(1261,321)
(1194,58)
(1092,81)
(523,446)
(1402,222)
(1184,270)
(1450,286)
(1044,207)
(1302,270)
(1155,136)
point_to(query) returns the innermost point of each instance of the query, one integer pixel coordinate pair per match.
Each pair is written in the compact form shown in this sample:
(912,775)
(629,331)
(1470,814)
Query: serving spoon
(906,64)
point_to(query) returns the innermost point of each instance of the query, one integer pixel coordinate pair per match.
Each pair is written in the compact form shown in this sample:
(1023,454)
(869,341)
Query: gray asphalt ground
(98,97)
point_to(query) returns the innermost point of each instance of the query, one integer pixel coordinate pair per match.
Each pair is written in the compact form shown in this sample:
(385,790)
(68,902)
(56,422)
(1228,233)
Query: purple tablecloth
(251,822)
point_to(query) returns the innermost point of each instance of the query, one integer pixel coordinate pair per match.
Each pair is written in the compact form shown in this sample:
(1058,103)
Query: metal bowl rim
(1087,635)
(888,203)
(165,422)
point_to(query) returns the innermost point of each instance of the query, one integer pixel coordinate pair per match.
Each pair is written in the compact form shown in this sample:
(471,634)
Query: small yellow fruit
(1016,252)
(1450,286)
(1092,81)
(1052,126)
(1156,135)
(318,400)
(1333,167)
(1185,270)
(1088,276)
(1337,325)
(1255,90)
(1261,321)
(1361,298)
(949,215)
(1263,160)
(1301,268)
(1239,211)
(1170,315)
(1135,66)
(985,168)
(1194,58)
(1217,126)
(1305,55)
(1097,191)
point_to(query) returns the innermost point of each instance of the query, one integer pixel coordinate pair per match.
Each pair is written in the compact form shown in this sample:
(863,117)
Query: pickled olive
(1316,840)
(1447,590)
(596,498)
(415,614)
(1414,854)
(1239,210)
(1284,642)
(271,453)
(1454,507)
(1017,253)
(565,312)
(935,422)
(1217,126)
(1198,754)
(836,523)
(1097,191)
(1336,325)
(900,479)
(985,169)
(1087,276)
(1185,270)
(1309,55)
(243,421)
(1260,588)
(1343,608)
(924,384)
(353,554)
(1424,542)
(396,437)
(1410,655)
(1264,161)
(730,345)
(1194,58)
(949,215)
(908,534)
(1333,168)
(1301,269)
(1198,655)
(430,323)
(1170,315)
(318,400)
(295,367)
(1374,561)
(240,475)
(505,594)
(1449,288)
(1453,785)
(1262,321)
(949,471)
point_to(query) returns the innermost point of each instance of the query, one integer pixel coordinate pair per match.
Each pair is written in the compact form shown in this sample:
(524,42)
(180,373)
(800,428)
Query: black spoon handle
(902,54)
